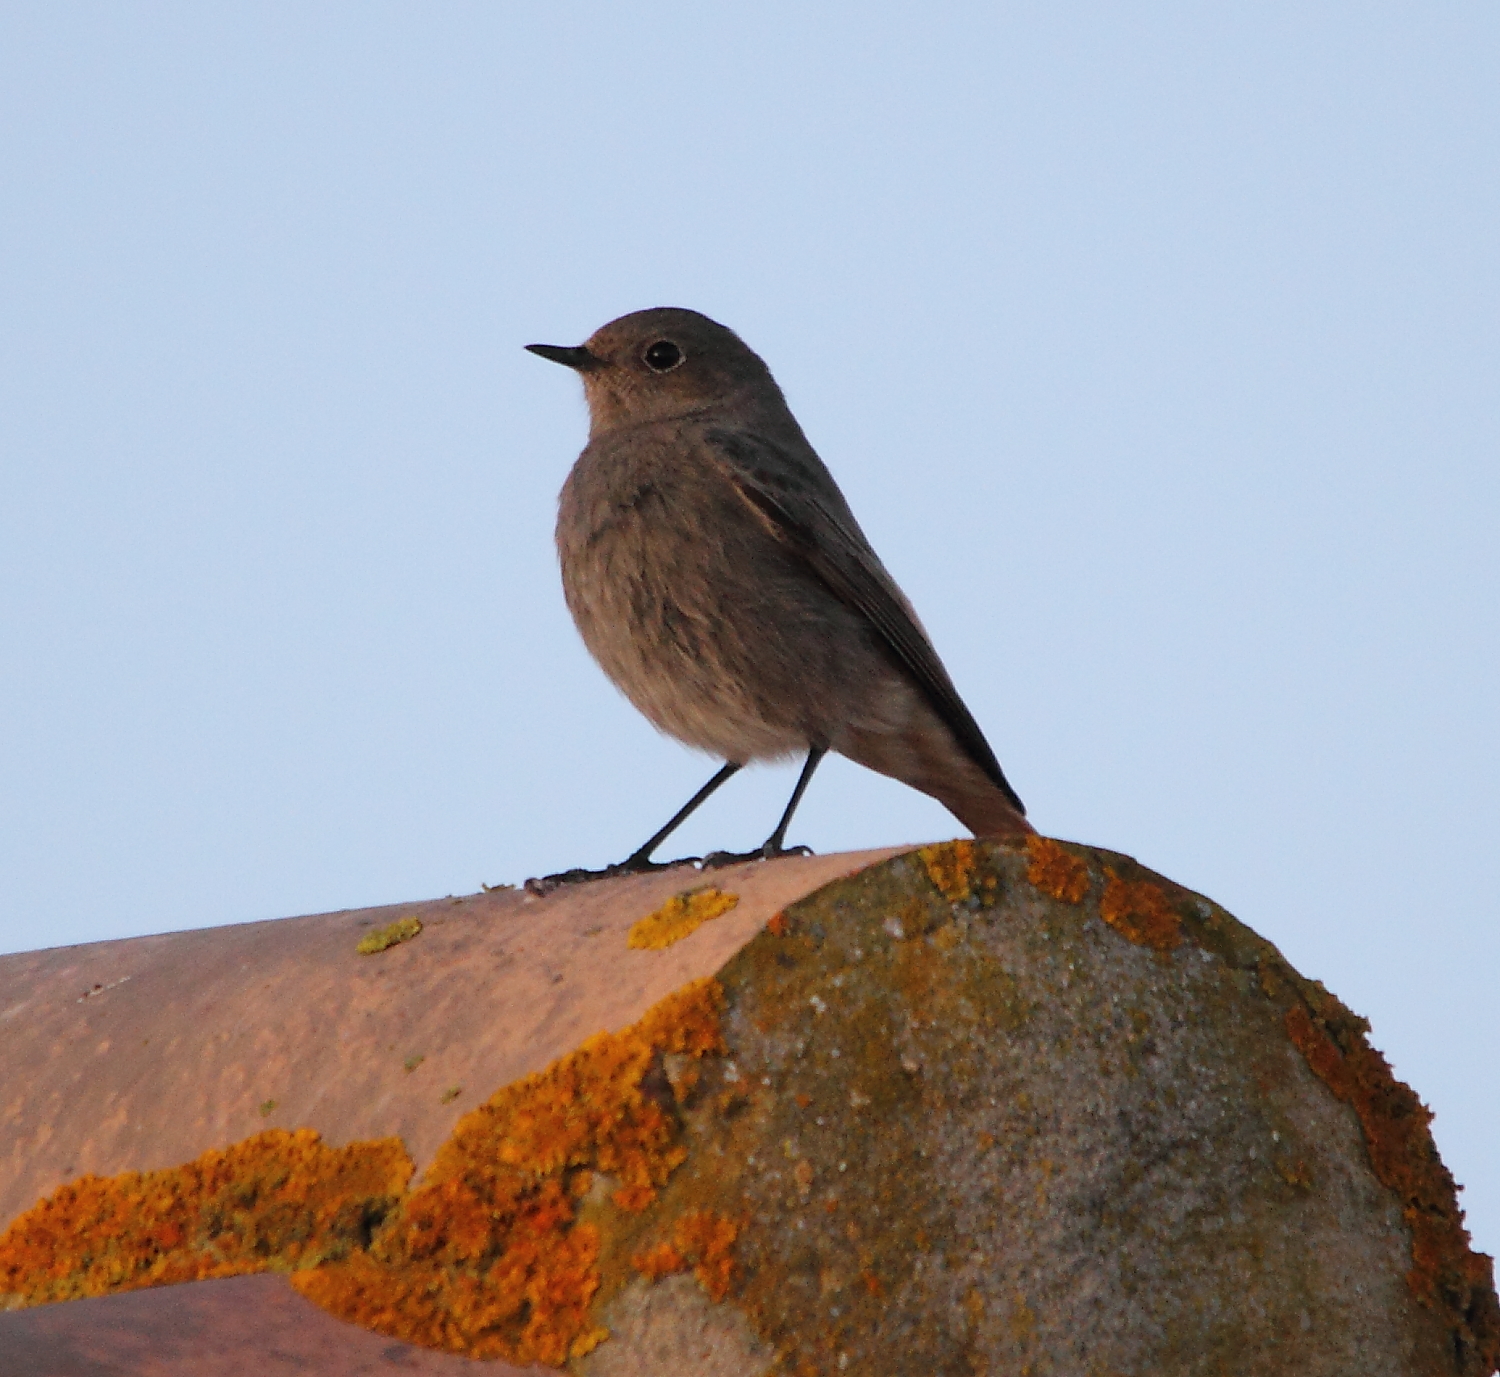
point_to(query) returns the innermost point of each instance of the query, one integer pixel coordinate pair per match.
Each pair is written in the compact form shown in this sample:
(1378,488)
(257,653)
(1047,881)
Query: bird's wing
(763,473)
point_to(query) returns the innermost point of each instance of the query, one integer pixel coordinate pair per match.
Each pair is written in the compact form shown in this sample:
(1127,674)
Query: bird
(719,578)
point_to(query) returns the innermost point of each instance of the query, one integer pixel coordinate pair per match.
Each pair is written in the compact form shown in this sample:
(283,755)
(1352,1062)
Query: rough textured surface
(672,1326)
(142,1054)
(999,1135)
(978,1109)
(988,1110)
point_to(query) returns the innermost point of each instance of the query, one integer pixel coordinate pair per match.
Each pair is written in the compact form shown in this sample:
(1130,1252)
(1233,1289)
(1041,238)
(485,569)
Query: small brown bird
(719,578)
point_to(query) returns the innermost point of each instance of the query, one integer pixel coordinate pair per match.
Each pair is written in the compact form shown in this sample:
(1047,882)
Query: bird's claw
(717,860)
(543,885)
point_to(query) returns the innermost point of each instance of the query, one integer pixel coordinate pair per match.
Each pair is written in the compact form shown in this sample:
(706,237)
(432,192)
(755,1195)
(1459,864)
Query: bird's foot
(717,860)
(543,885)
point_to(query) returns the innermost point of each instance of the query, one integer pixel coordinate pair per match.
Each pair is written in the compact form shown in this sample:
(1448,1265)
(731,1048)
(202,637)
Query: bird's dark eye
(663,356)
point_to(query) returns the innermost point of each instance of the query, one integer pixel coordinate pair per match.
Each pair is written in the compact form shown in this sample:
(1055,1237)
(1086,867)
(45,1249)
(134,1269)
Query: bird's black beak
(571,356)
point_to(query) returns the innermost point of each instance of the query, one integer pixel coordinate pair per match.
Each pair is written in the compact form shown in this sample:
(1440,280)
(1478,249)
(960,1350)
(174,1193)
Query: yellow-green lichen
(958,871)
(678,917)
(402,930)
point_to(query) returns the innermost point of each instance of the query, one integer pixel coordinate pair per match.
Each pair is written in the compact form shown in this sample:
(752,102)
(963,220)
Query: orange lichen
(635,1198)
(707,1239)
(678,917)
(587,1342)
(957,870)
(659,1261)
(1444,1272)
(1057,873)
(486,1256)
(276,1200)
(529,1305)
(1140,911)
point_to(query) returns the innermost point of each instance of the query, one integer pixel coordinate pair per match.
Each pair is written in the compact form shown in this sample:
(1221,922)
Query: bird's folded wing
(760,470)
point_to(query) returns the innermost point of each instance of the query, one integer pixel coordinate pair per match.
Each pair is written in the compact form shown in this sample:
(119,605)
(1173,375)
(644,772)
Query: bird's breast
(666,572)
(641,535)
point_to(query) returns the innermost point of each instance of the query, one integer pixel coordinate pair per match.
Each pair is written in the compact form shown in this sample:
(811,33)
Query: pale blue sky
(1156,346)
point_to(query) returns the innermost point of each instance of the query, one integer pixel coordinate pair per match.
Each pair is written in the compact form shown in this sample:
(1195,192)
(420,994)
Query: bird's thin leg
(774,841)
(640,859)
(773,845)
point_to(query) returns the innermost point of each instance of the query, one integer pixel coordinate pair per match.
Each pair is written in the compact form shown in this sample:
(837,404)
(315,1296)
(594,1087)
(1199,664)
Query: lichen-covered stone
(998,1134)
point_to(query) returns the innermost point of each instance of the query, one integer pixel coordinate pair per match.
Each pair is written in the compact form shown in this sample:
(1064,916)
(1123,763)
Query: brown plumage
(719,578)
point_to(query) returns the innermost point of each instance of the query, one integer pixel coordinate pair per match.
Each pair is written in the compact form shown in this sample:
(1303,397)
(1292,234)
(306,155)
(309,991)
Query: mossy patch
(678,917)
(392,934)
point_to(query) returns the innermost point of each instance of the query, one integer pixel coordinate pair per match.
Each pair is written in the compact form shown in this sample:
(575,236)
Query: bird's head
(657,364)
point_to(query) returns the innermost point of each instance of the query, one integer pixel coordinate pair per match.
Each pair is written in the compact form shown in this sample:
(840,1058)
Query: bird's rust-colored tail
(992,816)
(925,755)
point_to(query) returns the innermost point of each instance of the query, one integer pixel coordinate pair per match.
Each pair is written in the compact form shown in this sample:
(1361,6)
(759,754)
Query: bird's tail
(991,816)
(924,754)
